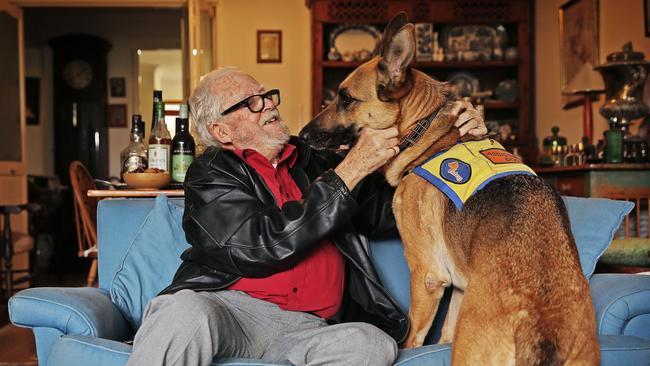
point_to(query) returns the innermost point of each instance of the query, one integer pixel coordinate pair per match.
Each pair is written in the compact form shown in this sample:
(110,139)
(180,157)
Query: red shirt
(316,283)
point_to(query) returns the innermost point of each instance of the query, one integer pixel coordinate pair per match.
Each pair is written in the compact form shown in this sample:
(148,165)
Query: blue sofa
(88,326)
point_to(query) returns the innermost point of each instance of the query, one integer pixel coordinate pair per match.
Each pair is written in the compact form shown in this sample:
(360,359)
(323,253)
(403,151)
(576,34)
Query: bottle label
(133,163)
(159,156)
(180,163)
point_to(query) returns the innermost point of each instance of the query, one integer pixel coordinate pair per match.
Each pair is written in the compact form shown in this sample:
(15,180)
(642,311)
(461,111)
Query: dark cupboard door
(80,99)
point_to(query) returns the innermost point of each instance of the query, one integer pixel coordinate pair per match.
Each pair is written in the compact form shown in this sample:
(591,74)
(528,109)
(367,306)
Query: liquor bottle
(141,127)
(134,155)
(183,146)
(160,141)
(157,97)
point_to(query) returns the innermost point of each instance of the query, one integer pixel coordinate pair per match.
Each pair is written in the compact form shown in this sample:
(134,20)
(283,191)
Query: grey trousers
(190,328)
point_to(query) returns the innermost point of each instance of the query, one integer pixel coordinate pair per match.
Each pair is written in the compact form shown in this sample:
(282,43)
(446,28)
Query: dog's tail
(533,347)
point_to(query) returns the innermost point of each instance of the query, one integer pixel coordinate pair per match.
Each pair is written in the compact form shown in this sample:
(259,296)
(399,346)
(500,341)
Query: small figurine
(333,54)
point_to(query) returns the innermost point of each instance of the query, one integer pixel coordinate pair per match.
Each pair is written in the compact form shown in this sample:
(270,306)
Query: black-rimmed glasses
(255,103)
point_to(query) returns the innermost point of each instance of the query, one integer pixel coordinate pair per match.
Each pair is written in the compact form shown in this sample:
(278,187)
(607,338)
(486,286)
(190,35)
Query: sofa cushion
(593,223)
(628,252)
(149,263)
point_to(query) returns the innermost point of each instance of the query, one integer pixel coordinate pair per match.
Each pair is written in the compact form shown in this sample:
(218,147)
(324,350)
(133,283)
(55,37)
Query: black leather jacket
(236,229)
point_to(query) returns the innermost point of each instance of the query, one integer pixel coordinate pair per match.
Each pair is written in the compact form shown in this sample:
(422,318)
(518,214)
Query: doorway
(50,146)
(160,69)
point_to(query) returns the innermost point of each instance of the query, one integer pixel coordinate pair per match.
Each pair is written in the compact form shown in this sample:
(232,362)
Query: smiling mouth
(271,120)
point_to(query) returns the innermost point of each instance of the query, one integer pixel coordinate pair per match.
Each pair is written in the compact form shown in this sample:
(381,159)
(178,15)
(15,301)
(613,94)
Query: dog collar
(417,132)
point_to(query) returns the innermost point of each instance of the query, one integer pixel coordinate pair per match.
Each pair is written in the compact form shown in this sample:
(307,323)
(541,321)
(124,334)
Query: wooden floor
(17,347)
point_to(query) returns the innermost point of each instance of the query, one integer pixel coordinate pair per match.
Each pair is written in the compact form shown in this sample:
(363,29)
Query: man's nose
(269,105)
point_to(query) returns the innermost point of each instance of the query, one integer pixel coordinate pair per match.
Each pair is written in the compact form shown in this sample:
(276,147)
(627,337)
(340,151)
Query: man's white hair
(206,106)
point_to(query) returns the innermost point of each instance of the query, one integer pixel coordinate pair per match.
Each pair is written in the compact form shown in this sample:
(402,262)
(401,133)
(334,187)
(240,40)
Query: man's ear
(221,132)
(394,78)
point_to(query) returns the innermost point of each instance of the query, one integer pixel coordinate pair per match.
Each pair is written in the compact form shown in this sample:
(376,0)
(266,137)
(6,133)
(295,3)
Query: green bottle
(614,145)
(183,146)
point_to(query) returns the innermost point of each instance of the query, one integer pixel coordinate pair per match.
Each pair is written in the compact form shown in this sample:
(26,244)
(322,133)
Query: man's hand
(469,119)
(373,149)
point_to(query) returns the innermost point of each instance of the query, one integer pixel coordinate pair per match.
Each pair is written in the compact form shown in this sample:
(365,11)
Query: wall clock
(78,74)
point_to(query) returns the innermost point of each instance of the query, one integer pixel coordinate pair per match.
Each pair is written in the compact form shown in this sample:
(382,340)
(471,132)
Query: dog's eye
(345,100)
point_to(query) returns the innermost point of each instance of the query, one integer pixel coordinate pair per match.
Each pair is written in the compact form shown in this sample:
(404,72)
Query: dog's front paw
(414,341)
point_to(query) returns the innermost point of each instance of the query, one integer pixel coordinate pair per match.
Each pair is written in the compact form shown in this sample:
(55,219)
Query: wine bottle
(183,146)
(157,97)
(134,155)
(160,141)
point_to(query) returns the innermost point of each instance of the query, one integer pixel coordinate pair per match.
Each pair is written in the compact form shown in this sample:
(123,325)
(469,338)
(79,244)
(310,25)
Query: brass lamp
(587,83)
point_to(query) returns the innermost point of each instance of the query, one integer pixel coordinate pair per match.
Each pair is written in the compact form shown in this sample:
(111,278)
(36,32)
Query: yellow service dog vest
(467,167)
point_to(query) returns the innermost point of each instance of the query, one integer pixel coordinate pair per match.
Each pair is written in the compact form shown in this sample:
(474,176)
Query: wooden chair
(635,226)
(85,212)
(12,243)
(639,217)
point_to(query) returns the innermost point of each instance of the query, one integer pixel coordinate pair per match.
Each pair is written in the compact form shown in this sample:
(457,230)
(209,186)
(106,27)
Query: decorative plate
(464,84)
(473,42)
(347,42)
(506,90)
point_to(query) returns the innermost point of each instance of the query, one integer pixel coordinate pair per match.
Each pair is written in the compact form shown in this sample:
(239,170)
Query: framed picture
(269,46)
(646,17)
(118,87)
(32,100)
(578,42)
(117,115)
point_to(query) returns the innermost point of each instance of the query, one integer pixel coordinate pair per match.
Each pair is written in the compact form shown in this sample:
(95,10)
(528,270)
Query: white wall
(127,30)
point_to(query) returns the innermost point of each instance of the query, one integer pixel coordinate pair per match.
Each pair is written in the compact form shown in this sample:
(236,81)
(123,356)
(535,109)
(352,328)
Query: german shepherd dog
(519,296)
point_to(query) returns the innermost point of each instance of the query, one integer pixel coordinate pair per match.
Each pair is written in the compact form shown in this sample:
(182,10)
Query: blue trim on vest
(440,185)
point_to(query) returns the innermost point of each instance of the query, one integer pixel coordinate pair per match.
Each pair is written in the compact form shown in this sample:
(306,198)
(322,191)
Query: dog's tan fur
(519,294)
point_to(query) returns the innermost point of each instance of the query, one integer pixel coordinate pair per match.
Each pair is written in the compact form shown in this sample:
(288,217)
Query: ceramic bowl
(147,180)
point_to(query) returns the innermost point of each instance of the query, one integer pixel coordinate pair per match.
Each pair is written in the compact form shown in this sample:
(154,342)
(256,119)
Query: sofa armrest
(622,304)
(82,310)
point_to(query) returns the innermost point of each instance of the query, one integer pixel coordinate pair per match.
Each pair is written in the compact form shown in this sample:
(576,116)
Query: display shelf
(431,64)
(515,16)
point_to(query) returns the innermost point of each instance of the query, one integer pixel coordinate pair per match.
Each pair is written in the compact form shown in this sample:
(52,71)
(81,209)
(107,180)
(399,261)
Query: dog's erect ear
(399,20)
(394,78)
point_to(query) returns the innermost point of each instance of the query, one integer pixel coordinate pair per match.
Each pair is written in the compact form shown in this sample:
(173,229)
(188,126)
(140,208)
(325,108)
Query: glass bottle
(160,141)
(614,144)
(157,97)
(134,155)
(553,146)
(141,128)
(183,147)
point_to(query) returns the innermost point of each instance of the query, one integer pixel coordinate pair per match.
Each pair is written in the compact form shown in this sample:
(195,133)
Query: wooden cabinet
(515,16)
(620,181)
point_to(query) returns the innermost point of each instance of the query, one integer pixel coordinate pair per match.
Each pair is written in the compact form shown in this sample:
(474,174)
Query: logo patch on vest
(499,156)
(455,171)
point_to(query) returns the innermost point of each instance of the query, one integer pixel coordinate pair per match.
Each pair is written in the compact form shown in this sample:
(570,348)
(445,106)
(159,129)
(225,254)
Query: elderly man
(278,269)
